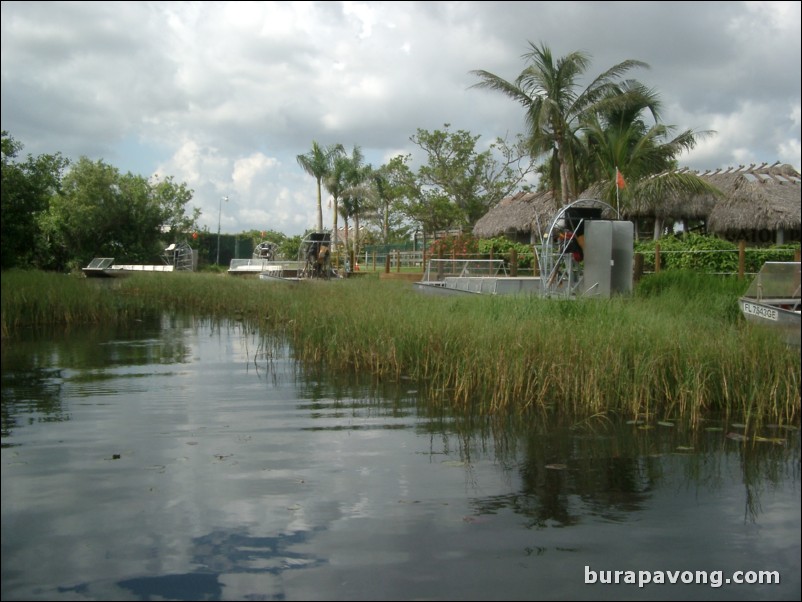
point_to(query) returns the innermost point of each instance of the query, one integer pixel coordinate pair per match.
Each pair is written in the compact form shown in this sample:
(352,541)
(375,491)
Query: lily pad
(776,440)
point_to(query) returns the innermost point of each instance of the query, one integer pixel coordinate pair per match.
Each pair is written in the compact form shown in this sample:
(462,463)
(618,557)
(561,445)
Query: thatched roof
(763,198)
(753,198)
(520,213)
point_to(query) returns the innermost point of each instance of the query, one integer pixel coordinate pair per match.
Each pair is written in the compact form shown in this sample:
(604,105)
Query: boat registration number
(760,311)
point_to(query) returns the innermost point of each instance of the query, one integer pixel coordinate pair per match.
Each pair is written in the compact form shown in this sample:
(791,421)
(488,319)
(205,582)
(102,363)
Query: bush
(708,254)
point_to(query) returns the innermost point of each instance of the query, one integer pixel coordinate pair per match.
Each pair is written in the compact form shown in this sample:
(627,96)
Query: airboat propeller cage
(265,250)
(315,254)
(588,230)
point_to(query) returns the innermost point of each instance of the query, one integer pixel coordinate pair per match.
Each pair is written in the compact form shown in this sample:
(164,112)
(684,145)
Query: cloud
(225,95)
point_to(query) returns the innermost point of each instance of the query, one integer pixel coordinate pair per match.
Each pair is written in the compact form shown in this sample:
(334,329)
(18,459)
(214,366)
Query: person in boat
(574,244)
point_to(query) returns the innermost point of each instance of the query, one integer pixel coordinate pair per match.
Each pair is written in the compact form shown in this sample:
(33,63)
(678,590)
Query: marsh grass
(677,348)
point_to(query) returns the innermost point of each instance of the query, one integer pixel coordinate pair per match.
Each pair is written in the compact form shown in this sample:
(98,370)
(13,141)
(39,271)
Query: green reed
(677,348)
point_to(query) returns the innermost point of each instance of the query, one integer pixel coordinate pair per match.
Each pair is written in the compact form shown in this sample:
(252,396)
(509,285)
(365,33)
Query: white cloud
(224,96)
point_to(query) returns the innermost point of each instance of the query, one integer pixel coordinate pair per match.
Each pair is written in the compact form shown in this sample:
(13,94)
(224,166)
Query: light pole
(219,217)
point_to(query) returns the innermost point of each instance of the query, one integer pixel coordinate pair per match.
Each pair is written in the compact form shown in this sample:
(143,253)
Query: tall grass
(677,348)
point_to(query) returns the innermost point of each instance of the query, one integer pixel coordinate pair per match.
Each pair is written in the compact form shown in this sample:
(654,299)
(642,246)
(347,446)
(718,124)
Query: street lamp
(219,217)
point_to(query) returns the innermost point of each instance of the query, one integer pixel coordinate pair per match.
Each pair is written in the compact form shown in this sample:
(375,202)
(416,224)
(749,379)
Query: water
(190,460)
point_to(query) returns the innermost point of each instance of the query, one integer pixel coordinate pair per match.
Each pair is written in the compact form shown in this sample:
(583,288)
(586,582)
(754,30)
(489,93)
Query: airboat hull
(773,300)
(482,285)
(106,273)
(276,277)
(104,267)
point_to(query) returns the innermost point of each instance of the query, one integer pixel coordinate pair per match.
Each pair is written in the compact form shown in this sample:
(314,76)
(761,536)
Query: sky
(224,96)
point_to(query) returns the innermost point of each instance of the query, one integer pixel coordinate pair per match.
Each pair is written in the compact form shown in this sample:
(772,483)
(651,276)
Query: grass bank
(678,348)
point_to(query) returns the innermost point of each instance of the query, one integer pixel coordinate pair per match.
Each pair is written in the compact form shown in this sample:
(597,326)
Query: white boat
(773,299)
(176,257)
(104,267)
(474,276)
(265,257)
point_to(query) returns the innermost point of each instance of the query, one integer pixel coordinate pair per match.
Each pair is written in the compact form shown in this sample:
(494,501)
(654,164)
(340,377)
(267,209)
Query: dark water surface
(191,460)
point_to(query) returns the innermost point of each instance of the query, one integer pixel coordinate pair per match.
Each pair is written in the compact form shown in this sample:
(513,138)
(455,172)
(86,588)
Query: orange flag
(619,180)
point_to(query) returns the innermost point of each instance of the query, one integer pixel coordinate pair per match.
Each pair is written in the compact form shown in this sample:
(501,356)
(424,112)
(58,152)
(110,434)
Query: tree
(99,212)
(357,191)
(474,181)
(26,190)
(173,199)
(391,183)
(317,163)
(556,108)
(335,184)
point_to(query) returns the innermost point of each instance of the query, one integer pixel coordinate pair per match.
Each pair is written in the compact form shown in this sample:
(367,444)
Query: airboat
(176,257)
(313,263)
(587,251)
(265,257)
(773,299)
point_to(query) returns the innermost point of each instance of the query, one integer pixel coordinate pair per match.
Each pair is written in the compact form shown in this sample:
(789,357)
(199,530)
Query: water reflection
(224,559)
(196,460)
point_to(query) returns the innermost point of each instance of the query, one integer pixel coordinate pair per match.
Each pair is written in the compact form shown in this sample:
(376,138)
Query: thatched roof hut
(524,216)
(757,204)
(760,205)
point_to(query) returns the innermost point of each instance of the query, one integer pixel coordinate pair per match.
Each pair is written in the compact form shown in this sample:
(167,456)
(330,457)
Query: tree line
(57,218)
(608,135)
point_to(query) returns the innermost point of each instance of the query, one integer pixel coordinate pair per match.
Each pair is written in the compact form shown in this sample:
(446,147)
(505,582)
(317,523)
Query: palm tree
(358,190)
(317,163)
(335,185)
(619,139)
(555,109)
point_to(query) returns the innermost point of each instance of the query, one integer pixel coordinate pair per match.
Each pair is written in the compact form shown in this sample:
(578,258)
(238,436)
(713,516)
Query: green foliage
(290,246)
(708,254)
(458,174)
(26,189)
(318,164)
(503,246)
(173,199)
(102,213)
(683,291)
(57,221)
(457,246)
(674,349)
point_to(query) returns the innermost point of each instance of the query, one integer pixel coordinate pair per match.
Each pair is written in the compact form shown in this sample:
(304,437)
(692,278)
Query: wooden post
(741,259)
(387,263)
(513,262)
(657,257)
(638,272)
(398,261)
